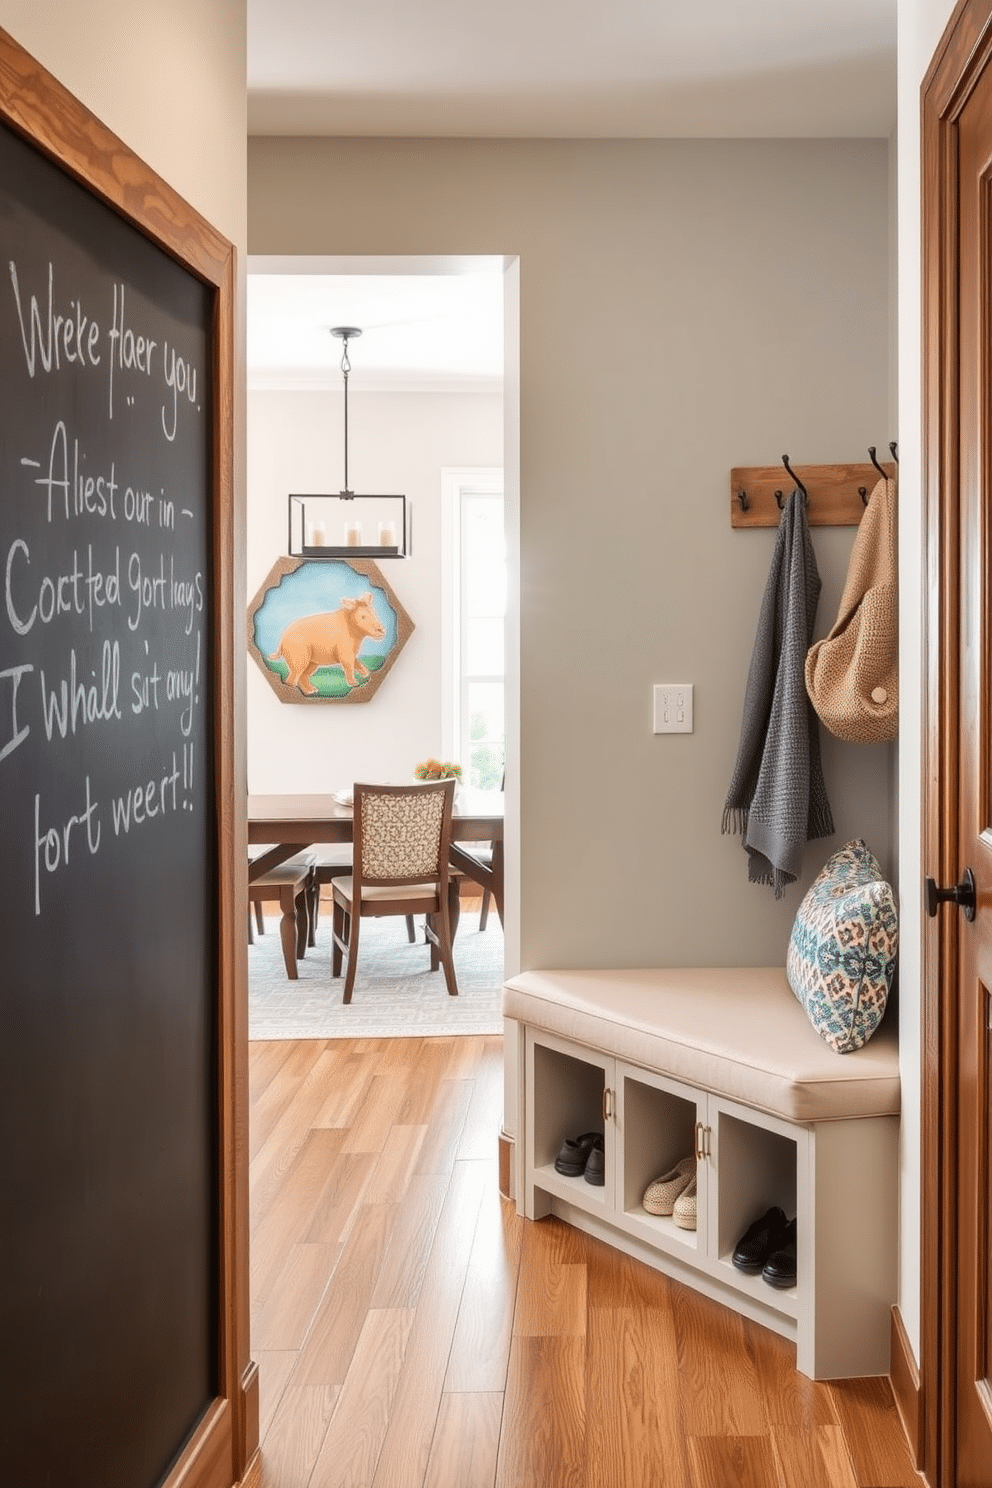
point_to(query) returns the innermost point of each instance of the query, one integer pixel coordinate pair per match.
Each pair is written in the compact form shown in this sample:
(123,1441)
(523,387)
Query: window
(475,570)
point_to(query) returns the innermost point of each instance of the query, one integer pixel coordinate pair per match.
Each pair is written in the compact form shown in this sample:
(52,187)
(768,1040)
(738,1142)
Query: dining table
(287,823)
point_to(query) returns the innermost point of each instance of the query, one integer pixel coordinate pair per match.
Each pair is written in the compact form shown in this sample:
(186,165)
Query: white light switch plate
(673,708)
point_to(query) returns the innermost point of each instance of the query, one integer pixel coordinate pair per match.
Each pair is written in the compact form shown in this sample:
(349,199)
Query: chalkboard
(110,1243)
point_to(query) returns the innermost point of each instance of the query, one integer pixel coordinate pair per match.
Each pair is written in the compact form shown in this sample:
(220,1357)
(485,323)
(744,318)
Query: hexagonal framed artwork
(326,630)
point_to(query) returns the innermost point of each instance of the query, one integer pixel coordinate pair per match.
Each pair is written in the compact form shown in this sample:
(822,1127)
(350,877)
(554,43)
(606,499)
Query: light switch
(673,707)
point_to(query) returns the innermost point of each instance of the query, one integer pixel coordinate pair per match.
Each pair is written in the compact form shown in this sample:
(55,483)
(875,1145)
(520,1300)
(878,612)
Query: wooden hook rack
(834,491)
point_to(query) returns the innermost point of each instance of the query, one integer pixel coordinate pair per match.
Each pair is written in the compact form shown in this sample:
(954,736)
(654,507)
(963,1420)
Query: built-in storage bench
(722,1062)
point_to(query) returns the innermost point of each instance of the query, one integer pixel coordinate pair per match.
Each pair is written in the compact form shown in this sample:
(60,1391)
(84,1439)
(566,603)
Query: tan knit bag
(852,675)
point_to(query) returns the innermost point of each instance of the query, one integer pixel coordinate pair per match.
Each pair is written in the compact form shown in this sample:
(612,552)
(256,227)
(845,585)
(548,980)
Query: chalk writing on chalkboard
(101,579)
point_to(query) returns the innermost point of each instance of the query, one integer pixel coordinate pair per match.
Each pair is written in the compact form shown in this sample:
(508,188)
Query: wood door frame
(965,50)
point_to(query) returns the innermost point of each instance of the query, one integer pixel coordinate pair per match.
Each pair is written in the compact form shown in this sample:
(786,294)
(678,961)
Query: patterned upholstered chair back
(402,833)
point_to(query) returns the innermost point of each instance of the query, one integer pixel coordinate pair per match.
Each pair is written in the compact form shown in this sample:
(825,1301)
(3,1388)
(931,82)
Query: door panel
(973,1385)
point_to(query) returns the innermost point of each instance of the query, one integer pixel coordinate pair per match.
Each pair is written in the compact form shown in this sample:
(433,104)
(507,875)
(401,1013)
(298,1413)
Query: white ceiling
(572,68)
(425,324)
(525,68)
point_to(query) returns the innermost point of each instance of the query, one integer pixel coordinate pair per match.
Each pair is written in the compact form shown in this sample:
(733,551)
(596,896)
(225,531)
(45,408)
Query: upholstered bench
(293,886)
(724,1064)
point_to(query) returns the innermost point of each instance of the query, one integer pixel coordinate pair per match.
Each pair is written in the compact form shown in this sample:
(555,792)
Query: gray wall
(685,306)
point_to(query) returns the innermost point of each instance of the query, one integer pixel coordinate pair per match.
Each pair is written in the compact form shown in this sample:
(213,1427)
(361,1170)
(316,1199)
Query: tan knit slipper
(661,1193)
(684,1212)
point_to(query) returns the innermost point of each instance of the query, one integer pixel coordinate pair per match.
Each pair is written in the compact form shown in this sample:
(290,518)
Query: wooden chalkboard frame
(38,108)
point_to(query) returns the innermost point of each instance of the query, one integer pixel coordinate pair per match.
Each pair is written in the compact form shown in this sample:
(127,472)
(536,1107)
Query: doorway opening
(427,396)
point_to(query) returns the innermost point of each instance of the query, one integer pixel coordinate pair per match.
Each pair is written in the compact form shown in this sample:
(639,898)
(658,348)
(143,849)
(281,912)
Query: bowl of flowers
(433,769)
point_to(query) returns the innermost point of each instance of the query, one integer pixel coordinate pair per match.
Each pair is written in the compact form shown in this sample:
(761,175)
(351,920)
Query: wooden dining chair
(401,839)
(480,857)
(334,861)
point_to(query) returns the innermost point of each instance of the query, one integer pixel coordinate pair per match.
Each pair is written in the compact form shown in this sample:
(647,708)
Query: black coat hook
(894,450)
(863,493)
(881,471)
(742,498)
(780,496)
(794,476)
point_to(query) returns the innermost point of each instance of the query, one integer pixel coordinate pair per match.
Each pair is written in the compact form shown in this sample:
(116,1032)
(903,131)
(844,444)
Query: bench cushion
(735,1031)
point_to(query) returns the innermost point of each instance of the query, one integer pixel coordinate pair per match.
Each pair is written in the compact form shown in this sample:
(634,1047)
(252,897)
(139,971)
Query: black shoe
(596,1166)
(759,1241)
(573,1155)
(780,1267)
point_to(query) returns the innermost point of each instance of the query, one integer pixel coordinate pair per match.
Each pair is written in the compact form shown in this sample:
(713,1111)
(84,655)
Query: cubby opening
(568,1101)
(659,1130)
(756,1170)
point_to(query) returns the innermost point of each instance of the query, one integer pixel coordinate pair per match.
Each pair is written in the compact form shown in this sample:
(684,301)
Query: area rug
(396,994)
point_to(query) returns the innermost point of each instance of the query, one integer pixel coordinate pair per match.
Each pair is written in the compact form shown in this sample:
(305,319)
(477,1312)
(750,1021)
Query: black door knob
(962,894)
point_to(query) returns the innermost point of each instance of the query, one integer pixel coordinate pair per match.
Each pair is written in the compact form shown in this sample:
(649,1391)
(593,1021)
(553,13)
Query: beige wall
(168,76)
(684,307)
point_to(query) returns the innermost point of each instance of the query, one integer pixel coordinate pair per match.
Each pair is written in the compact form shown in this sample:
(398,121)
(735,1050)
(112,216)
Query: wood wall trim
(963,51)
(248,1414)
(905,1377)
(206,1462)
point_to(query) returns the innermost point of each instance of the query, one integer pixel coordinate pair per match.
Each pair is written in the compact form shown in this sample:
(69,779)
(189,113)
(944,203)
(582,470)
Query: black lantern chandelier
(348,525)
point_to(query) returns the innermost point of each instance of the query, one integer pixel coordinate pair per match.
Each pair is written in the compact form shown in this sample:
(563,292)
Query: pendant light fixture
(348,525)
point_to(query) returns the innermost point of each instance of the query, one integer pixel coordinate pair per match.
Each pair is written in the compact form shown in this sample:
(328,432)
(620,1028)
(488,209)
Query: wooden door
(957,1311)
(973,1385)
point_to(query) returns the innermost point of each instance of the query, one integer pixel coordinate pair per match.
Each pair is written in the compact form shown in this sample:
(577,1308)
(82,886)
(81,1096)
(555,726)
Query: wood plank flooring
(411,1331)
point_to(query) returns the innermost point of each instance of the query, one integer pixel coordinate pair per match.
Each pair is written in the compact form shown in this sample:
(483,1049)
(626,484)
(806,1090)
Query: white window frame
(457,482)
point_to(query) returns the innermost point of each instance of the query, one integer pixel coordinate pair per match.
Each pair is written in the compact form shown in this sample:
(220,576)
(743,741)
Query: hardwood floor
(411,1331)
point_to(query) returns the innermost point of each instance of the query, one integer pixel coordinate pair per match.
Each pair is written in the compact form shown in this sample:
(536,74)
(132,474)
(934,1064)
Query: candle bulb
(318,536)
(353,534)
(387,534)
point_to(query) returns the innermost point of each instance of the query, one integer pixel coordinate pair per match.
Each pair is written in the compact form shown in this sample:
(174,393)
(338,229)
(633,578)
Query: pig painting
(311,622)
(329,639)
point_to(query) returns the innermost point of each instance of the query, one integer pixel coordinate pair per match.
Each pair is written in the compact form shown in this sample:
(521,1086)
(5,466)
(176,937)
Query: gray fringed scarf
(777,798)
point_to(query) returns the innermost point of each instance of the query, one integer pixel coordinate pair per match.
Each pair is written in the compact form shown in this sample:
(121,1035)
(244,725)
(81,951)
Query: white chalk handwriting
(103,606)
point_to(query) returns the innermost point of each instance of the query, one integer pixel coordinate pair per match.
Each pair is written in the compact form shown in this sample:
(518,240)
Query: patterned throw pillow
(842,952)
